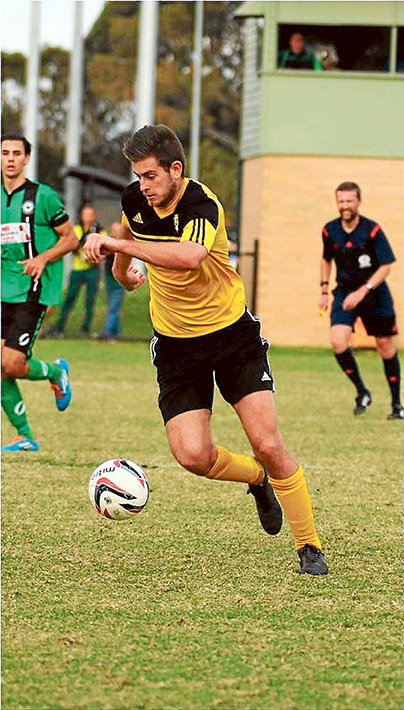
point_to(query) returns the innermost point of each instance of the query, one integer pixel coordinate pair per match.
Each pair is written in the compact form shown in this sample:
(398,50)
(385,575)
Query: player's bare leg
(191,443)
(258,416)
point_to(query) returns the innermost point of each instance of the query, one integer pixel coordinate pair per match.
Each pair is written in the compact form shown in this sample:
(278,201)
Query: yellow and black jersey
(187,303)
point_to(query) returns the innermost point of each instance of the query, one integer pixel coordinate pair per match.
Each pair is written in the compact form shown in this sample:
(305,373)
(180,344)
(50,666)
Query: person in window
(297,57)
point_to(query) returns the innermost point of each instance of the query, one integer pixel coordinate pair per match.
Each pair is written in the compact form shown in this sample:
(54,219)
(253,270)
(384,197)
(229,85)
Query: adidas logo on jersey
(265,377)
(138,218)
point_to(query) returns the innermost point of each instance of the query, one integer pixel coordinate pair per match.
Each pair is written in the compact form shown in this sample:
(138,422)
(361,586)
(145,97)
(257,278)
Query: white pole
(146,63)
(31,105)
(145,83)
(74,115)
(196,91)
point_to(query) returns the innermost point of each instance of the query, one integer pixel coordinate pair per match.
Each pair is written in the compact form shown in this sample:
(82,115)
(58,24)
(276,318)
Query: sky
(56,22)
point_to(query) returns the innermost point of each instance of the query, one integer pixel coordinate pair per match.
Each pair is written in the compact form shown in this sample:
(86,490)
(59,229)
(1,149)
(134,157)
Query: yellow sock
(295,500)
(235,467)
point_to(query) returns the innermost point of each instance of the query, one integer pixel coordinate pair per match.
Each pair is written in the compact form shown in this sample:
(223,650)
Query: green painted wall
(321,114)
(340,13)
(325,113)
(327,12)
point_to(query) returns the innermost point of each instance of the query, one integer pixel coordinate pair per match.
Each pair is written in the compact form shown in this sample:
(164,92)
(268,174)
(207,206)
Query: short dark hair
(14,136)
(86,204)
(159,141)
(345,186)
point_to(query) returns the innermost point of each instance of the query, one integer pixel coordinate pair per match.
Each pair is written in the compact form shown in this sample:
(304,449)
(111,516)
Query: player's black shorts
(233,357)
(376,311)
(20,324)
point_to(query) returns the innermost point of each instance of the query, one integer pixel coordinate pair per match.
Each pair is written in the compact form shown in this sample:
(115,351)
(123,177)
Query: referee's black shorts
(234,357)
(376,311)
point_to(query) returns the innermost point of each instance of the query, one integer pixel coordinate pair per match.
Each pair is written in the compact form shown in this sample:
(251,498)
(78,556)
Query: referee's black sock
(348,364)
(392,371)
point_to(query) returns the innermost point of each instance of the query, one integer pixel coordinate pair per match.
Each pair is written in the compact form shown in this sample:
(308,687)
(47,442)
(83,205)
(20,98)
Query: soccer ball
(118,489)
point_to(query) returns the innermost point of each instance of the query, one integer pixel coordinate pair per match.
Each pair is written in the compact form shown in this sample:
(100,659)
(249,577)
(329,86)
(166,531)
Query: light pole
(145,86)
(74,114)
(196,91)
(31,106)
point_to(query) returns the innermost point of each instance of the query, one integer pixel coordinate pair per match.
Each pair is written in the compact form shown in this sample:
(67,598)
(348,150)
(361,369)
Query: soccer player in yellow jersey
(204,333)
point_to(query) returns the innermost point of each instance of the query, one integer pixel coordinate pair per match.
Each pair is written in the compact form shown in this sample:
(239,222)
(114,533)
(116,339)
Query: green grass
(191,606)
(135,316)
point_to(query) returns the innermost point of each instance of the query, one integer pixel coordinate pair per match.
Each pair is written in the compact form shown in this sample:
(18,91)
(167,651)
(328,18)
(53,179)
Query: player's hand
(353,299)
(97,246)
(132,279)
(34,267)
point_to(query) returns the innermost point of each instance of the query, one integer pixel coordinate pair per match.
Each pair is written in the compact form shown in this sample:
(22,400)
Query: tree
(52,106)
(13,70)
(111,49)
(110,71)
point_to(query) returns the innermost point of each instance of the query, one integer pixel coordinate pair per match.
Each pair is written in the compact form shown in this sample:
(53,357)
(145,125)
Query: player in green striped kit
(35,234)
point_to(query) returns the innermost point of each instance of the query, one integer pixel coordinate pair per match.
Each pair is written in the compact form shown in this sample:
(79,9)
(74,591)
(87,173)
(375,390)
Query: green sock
(14,408)
(41,370)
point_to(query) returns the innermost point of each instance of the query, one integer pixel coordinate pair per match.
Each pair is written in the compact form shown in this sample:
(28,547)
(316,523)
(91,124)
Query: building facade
(305,131)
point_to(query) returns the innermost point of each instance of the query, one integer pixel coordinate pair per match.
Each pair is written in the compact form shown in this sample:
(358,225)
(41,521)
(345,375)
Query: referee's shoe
(362,401)
(397,412)
(268,509)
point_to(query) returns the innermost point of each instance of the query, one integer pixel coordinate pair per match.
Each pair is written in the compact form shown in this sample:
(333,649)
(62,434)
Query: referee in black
(363,259)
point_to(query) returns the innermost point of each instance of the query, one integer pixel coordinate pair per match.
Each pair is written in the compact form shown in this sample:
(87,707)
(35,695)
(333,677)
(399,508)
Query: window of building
(346,48)
(400,50)
(260,42)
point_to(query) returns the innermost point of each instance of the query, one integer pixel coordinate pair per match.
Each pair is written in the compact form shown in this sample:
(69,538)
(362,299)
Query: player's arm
(327,258)
(355,297)
(325,273)
(122,270)
(67,241)
(178,255)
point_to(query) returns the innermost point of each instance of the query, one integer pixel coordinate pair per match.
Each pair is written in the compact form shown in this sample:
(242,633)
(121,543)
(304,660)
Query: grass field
(135,319)
(191,606)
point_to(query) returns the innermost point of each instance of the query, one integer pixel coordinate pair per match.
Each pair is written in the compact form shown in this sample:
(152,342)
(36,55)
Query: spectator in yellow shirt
(83,273)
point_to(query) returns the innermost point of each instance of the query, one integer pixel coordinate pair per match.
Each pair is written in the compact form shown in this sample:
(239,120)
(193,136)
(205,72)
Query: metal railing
(247,266)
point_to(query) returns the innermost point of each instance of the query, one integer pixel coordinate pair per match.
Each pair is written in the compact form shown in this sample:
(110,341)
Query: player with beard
(363,259)
(203,333)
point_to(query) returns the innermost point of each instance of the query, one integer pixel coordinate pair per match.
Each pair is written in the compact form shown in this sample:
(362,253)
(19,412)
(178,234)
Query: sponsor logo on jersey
(138,218)
(15,233)
(176,221)
(28,207)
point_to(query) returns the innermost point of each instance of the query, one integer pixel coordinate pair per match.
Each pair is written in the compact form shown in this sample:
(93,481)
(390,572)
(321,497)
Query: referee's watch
(369,286)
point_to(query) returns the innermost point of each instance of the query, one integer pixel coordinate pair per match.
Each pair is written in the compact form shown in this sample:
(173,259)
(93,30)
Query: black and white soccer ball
(118,489)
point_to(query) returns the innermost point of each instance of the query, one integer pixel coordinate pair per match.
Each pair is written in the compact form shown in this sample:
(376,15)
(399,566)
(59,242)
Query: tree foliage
(109,89)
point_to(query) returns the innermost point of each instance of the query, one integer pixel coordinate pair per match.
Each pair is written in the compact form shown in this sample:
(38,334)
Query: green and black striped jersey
(29,216)
(187,303)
